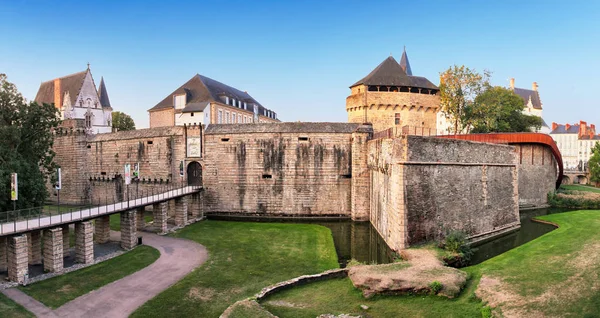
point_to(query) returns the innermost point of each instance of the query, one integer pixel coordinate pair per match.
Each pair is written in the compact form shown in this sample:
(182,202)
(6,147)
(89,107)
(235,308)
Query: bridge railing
(36,217)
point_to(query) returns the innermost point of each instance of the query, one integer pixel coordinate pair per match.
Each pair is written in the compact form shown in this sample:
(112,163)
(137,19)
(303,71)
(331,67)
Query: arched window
(88,120)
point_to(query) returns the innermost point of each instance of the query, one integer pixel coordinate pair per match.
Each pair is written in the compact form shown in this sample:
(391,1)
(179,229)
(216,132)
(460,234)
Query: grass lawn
(10,309)
(580,187)
(244,257)
(57,291)
(115,220)
(554,275)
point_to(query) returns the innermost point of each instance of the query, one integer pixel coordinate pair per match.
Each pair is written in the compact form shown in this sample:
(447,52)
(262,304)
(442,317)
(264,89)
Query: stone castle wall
(421,188)
(537,174)
(293,169)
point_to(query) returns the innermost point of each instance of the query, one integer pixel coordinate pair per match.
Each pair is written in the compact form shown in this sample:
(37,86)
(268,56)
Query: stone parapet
(53,250)
(17,258)
(84,242)
(103,229)
(181,211)
(128,229)
(160,216)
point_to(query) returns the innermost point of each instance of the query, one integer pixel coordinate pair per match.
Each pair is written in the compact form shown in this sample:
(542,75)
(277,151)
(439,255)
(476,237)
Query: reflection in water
(359,241)
(529,230)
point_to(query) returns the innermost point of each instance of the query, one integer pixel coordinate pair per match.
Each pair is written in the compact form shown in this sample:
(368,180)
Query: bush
(486,312)
(564,201)
(435,287)
(457,245)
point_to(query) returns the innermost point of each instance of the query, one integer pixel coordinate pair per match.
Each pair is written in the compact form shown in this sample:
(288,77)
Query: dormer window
(226,100)
(179,101)
(233,102)
(245,106)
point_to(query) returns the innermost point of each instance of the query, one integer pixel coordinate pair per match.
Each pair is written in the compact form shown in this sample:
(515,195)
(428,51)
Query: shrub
(435,287)
(460,251)
(486,312)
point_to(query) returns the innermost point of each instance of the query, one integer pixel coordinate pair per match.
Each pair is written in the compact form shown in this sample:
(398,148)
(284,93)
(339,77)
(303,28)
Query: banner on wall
(181,168)
(127,174)
(136,171)
(58,184)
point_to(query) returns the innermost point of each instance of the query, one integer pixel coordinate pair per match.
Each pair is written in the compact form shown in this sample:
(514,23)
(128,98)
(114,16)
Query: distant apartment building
(202,100)
(575,143)
(76,97)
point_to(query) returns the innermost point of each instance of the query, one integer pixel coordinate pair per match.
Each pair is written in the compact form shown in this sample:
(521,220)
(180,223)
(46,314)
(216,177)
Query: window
(226,100)
(220,118)
(192,114)
(233,118)
(245,106)
(179,101)
(88,120)
(239,118)
(233,102)
(227,119)
(397,119)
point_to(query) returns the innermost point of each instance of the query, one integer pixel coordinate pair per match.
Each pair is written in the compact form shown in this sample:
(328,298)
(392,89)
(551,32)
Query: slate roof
(71,83)
(291,127)
(526,94)
(202,89)
(562,129)
(390,73)
(194,107)
(587,137)
(103,94)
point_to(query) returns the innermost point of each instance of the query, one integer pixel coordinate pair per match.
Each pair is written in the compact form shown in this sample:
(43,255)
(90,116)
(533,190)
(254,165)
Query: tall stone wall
(537,174)
(294,169)
(92,166)
(421,188)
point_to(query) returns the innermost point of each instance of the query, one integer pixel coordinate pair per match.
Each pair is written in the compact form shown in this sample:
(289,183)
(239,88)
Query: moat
(360,240)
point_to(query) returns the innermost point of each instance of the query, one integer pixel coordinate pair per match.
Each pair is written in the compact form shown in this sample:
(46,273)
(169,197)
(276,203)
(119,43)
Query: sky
(299,58)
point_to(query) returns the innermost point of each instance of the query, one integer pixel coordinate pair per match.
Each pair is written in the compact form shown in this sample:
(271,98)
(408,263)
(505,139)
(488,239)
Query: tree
(498,109)
(594,163)
(459,85)
(25,146)
(122,121)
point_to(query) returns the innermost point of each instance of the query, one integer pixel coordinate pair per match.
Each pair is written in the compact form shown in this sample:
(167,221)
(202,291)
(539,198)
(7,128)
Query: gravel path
(178,257)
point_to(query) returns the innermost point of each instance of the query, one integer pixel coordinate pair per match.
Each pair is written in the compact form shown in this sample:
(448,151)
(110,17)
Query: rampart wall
(537,174)
(421,188)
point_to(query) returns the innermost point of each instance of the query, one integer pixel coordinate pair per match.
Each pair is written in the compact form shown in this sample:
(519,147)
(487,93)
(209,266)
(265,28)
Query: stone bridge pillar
(128,229)
(181,211)
(160,216)
(53,250)
(84,242)
(34,240)
(17,258)
(103,229)
(195,206)
(3,253)
(141,222)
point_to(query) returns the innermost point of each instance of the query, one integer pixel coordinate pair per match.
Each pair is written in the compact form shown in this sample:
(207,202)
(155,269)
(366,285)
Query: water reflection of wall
(359,241)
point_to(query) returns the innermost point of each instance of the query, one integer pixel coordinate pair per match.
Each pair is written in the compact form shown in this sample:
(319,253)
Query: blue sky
(298,58)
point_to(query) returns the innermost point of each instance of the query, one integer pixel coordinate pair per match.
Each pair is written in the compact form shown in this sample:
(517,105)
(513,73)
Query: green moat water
(360,240)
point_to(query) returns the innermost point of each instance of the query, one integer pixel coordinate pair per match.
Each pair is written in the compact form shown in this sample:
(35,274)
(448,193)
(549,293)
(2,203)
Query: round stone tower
(390,96)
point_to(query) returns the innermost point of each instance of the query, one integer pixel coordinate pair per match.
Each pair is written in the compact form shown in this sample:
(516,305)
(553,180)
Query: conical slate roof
(390,73)
(405,64)
(103,94)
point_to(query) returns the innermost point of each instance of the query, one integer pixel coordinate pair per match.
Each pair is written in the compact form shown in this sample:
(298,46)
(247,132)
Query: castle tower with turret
(390,96)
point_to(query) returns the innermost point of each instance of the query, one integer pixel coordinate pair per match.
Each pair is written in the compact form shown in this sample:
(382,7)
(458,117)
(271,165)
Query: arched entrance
(582,179)
(566,180)
(194,174)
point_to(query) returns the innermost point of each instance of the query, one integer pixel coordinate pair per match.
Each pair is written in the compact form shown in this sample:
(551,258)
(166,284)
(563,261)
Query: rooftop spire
(404,63)
(103,94)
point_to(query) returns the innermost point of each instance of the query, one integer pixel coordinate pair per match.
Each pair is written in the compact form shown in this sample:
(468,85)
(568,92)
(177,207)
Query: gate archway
(194,174)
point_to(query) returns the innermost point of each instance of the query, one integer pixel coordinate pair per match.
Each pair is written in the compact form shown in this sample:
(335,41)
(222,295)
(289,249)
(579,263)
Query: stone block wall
(279,169)
(162,118)
(537,174)
(421,188)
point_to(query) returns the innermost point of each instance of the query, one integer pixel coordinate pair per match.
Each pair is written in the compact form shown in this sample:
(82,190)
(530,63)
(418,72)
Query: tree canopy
(122,121)
(498,109)
(594,163)
(459,85)
(25,146)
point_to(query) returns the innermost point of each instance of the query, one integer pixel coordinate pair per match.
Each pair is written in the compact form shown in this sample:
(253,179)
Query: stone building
(391,97)
(76,97)
(533,102)
(202,100)
(575,143)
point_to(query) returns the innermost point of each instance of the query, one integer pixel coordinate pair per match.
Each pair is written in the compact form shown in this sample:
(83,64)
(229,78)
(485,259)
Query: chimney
(593,129)
(534,86)
(582,128)
(567,126)
(512,83)
(554,126)
(57,93)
